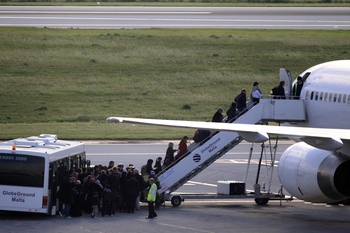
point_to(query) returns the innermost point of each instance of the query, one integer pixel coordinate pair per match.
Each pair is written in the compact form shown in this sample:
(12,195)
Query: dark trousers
(151,213)
(131,201)
(106,208)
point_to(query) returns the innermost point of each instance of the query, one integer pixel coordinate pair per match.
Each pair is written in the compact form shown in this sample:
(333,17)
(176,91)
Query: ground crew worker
(151,198)
(297,88)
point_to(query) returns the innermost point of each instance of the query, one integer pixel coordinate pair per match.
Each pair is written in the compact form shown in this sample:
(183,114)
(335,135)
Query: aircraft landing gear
(261,201)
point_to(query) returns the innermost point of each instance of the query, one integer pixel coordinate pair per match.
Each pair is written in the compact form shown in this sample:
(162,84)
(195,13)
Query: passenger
(133,188)
(110,165)
(93,188)
(158,165)
(152,175)
(113,181)
(297,88)
(256,93)
(149,166)
(102,177)
(76,207)
(241,101)
(65,194)
(231,112)
(182,148)
(151,198)
(85,184)
(95,202)
(143,185)
(278,91)
(107,201)
(169,156)
(123,192)
(121,168)
(218,117)
(203,134)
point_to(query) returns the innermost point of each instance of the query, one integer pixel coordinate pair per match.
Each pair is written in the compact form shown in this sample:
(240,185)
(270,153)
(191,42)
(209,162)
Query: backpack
(107,195)
(275,91)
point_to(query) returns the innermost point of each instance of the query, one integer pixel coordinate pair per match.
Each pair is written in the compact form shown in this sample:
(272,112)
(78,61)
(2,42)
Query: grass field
(67,81)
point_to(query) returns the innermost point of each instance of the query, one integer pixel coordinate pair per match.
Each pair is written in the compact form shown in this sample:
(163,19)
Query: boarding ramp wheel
(174,199)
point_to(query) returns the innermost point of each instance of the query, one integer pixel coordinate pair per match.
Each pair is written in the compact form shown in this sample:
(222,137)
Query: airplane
(316,168)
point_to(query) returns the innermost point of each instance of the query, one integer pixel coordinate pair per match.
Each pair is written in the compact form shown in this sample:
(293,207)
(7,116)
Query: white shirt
(256,94)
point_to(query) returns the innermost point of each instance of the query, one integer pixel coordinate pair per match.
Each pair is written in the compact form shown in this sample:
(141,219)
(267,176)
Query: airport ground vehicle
(32,170)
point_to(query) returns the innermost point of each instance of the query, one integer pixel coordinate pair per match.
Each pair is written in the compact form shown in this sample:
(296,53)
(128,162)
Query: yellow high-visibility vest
(152,193)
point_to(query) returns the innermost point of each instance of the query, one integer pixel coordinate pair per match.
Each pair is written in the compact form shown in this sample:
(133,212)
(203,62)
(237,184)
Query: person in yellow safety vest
(151,198)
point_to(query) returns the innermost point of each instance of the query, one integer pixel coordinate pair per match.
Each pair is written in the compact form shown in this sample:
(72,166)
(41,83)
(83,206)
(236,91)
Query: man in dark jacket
(218,117)
(231,112)
(113,181)
(66,196)
(241,101)
(133,191)
(278,92)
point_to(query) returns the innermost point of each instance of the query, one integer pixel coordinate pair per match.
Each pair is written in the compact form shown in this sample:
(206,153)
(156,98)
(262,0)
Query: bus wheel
(176,201)
(261,201)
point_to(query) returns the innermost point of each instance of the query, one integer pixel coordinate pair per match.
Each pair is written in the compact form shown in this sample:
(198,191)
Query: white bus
(33,168)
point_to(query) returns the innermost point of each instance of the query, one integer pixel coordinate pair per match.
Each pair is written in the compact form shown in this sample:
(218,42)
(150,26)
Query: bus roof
(44,145)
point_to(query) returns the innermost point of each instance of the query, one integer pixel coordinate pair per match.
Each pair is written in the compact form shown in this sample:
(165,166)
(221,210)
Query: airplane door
(287,78)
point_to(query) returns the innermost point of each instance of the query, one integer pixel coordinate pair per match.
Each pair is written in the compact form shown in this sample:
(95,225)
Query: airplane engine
(314,175)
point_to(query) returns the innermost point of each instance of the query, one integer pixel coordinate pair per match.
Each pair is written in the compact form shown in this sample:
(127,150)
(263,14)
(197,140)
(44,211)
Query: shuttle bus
(32,170)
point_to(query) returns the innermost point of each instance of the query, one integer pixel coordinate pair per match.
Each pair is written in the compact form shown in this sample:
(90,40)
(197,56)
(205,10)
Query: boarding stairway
(201,155)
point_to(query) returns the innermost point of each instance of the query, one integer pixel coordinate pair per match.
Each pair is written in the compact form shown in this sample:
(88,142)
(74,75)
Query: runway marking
(111,12)
(302,22)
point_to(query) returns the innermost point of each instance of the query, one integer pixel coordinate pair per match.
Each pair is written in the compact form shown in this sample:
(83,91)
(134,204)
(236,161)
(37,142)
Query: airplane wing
(323,138)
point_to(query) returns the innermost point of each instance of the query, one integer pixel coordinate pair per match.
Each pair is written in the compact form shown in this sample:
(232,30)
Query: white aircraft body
(317,167)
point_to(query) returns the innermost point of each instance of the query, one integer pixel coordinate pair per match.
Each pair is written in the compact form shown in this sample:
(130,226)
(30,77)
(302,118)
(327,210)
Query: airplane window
(316,96)
(330,97)
(326,95)
(344,98)
(339,98)
(312,95)
(348,99)
(321,96)
(335,97)
(307,96)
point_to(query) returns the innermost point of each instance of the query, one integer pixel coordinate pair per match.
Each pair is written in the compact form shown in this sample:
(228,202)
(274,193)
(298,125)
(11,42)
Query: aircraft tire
(261,201)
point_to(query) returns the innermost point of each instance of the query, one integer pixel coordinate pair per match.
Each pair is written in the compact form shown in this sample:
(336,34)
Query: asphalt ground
(206,216)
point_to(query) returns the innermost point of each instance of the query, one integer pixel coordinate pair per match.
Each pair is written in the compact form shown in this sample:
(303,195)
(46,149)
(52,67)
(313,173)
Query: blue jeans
(65,210)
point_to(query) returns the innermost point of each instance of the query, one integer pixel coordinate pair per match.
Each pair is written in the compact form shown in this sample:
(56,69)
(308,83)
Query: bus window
(22,170)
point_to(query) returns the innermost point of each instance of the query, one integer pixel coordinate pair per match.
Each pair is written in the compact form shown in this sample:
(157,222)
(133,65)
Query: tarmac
(193,216)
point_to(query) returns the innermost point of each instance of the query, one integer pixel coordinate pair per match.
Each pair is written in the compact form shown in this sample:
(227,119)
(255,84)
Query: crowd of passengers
(106,189)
